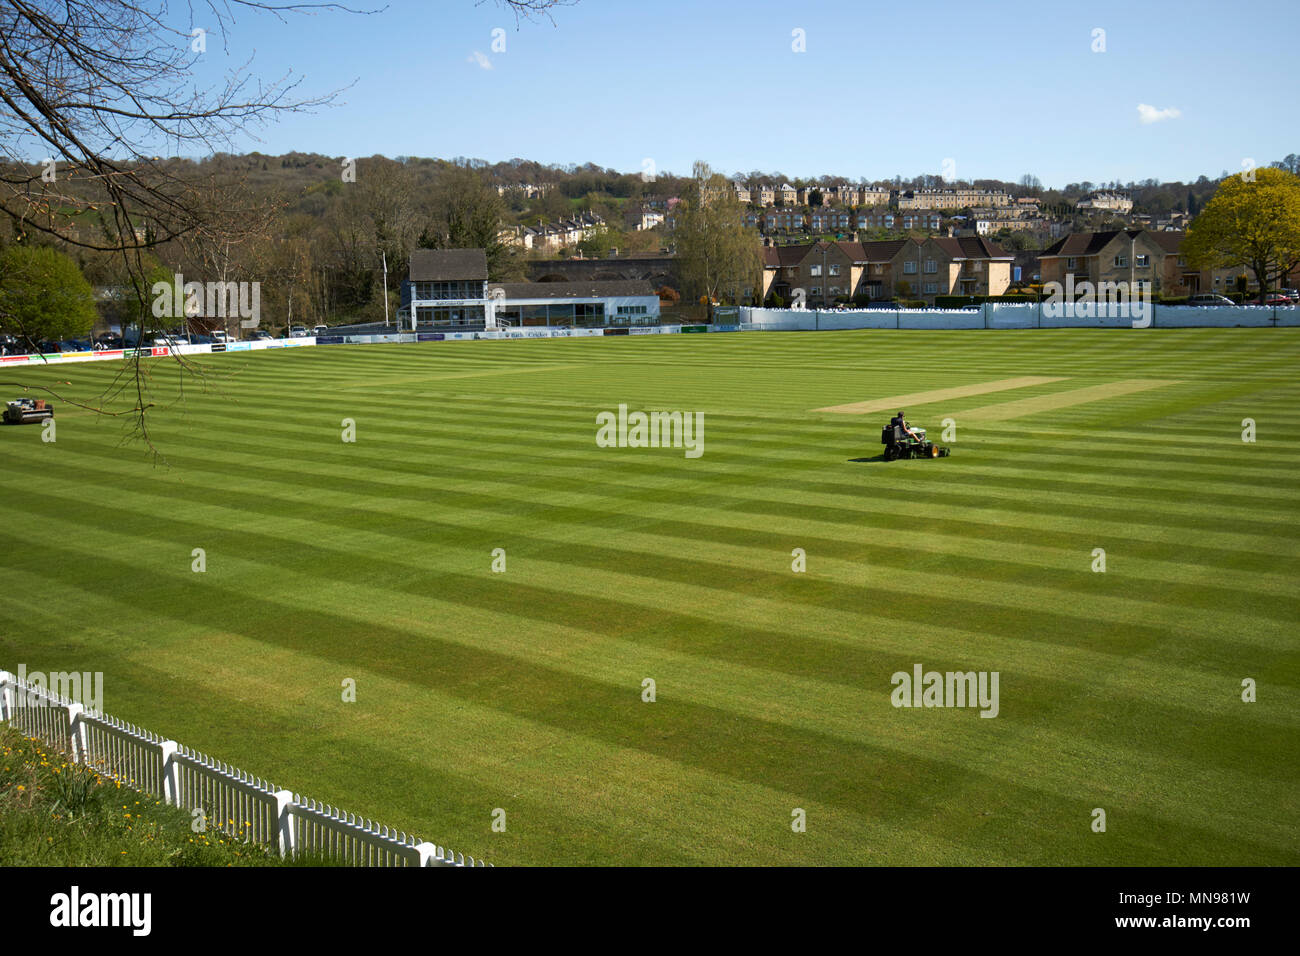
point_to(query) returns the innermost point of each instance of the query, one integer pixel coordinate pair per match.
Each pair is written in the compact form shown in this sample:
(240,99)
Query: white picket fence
(232,801)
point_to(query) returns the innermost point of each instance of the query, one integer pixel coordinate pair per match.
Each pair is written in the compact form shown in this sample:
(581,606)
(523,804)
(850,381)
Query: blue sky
(999,89)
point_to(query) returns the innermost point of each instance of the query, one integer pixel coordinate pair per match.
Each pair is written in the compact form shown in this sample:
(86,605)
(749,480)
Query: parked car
(261,335)
(1273,298)
(297,332)
(1292,294)
(1206,298)
(321,330)
(220,335)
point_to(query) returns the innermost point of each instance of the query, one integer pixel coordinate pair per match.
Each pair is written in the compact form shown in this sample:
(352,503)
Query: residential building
(877,217)
(931,221)
(831,220)
(842,195)
(1108,202)
(556,235)
(826,271)
(1122,255)
(987,227)
(875,196)
(961,197)
(950,265)
(784,220)
(883,269)
(530,190)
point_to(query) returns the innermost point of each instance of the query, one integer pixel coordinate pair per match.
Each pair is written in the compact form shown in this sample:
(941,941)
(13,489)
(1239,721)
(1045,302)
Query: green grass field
(522,690)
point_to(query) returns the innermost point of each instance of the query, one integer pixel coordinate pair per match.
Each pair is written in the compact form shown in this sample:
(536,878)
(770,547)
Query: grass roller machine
(901,440)
(28,411)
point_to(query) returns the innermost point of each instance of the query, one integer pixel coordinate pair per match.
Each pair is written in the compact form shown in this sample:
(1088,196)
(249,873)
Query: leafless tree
(104,89)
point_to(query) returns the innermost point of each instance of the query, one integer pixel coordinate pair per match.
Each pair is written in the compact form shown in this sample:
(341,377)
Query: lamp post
(1132,264)
(384,258)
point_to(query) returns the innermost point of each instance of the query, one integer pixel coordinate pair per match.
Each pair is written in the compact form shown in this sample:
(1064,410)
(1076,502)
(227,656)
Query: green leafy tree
(43,295)
(717,255)
(1250,224)
(600,242)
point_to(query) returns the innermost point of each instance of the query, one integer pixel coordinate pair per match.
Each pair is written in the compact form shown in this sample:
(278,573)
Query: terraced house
(1121,255)
(1136,255)
(944,265)
(955,198)
(829,272)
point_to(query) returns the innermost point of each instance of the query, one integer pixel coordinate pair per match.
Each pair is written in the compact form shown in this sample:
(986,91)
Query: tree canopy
(717,255)
(43,294)
(1253,222)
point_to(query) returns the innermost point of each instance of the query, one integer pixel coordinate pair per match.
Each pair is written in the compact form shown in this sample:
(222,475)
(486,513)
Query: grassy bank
(53,813)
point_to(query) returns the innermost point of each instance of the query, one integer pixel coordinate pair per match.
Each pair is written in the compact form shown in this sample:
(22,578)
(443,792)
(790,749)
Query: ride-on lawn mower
(899,444)
(26,411)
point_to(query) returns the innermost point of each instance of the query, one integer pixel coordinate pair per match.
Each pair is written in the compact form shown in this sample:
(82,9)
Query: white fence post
(76,732)
(171,772)
(428,853)
(288,836)
(7,686)
(182,777)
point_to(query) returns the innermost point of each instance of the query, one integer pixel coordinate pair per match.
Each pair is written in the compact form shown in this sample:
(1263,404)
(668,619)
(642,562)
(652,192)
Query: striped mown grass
(522,690)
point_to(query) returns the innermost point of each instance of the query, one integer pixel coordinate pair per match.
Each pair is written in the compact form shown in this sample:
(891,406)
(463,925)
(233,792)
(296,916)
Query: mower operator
(898,420)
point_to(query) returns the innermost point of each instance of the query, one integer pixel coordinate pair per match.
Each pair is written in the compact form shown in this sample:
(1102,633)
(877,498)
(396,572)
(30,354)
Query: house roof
(970,247)
(1091,243)
(1170,240)
(590,289)
(876,250)
(775,257)
(1080,244)
(448,265)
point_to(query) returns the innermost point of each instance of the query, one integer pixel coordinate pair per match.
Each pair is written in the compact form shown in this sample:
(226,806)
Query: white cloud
(1149,114)
(479,58)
